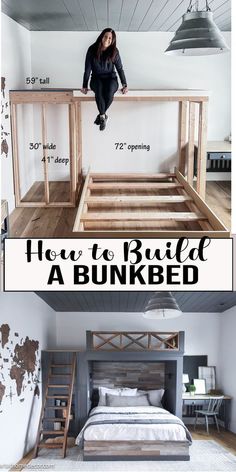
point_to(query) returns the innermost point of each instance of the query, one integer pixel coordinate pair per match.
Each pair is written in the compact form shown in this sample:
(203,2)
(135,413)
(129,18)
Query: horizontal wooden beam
(138,199)
(131,176)
(137,216)
(133,185)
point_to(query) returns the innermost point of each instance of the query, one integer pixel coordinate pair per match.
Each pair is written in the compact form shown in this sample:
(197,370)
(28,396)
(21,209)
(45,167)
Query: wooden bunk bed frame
(106,348)
(160,205)
(111,205)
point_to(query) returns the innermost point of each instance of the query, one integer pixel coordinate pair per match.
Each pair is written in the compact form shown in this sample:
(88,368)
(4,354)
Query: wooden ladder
(67,389)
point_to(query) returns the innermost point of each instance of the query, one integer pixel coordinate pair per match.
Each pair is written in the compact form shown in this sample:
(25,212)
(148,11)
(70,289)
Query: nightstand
(218,156)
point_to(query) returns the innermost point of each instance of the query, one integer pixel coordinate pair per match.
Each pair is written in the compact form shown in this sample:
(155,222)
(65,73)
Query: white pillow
(154,396)
(129,392)
(102,394)
(114,391)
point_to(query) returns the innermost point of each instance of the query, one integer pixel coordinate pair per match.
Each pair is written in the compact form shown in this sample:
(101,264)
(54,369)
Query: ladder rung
(58,386)
(50,445)
(54,419)
(60,432)
(60,375)
(62,397)
(55,407)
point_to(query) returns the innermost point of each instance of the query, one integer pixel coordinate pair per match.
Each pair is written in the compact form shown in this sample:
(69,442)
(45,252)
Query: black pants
(104,89)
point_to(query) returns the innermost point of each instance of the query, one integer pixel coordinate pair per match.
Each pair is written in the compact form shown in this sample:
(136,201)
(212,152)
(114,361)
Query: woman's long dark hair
(111,51)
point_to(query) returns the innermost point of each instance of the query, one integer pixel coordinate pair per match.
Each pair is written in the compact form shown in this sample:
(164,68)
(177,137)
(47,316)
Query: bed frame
(158,205)
(105,363)
(136,450)
(165,205)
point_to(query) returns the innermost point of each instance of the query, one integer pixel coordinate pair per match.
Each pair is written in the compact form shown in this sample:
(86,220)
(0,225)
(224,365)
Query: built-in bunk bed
(130,397)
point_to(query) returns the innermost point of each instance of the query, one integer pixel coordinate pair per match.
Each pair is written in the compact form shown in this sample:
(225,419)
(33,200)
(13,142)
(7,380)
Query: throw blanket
(131,415)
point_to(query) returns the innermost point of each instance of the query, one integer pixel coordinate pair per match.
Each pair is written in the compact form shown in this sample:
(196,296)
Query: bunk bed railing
(140,341)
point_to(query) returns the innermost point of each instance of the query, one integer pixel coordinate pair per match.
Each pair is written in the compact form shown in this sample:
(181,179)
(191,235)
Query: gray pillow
(154,396)
(139,400)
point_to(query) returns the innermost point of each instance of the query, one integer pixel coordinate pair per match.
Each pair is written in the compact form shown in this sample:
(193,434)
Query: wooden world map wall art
(4,118)
(19,366)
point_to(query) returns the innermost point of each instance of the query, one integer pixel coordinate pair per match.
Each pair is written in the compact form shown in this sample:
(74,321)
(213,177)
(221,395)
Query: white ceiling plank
(74,10)
(173,15)
(152,12)
(139,12)
(171,10)
(88,12)
(202,6)
(127,11)
(121,15)
(101,12)
(115,7)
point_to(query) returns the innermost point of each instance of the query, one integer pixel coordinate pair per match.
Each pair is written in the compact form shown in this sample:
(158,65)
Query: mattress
(132,423)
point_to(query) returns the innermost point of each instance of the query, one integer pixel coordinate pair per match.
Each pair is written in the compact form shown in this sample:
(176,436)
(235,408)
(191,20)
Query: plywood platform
(144,203)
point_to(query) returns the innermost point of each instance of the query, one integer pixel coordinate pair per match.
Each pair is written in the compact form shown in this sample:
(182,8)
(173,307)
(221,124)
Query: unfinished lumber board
(132,176)
(81,204)
(183,106)
(45,159)
(15,154)
(190,147)
(202,148)
(127,216)
(133,199)
(133,185)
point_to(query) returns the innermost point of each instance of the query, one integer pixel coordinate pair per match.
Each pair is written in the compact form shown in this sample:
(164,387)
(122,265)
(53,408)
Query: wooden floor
(58,222)
(225,439)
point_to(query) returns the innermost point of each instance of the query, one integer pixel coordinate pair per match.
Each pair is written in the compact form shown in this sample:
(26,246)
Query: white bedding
(125,432)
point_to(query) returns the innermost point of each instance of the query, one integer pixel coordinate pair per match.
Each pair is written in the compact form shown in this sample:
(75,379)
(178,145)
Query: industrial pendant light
(197,35)
(162,305)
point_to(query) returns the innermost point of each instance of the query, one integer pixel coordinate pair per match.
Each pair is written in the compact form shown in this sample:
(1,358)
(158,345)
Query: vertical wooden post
(72,152)
(44,143)
(15,154)
(202,144)
(190,147)
(182,135)
(79,140)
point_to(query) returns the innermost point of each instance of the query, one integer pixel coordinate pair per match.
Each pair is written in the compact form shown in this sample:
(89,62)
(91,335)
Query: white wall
(60,56)
(27,315)
(16,66)
(227,358)
(201,329)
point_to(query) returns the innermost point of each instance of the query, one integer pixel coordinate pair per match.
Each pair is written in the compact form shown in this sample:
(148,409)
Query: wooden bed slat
(132,176)
(133,185)
(177,216)
(132,199)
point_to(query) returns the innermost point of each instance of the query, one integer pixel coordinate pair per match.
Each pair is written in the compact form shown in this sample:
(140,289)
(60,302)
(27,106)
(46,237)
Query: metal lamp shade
(197,35)
(162,305)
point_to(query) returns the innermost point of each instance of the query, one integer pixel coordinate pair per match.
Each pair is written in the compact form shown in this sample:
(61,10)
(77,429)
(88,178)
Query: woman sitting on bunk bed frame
(101,59)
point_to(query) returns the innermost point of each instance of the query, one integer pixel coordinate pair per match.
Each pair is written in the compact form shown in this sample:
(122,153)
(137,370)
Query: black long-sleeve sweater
(102,67)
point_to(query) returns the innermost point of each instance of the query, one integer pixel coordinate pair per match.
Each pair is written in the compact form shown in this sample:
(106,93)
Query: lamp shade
(197,35)
(185,379)
(162,305)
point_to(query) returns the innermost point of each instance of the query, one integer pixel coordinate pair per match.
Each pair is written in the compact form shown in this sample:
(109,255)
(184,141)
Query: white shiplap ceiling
(121,15)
